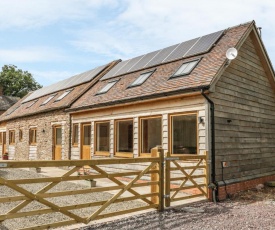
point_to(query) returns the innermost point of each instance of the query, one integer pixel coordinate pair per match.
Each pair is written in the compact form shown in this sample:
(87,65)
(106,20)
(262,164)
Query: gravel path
(61,201)
(225,215)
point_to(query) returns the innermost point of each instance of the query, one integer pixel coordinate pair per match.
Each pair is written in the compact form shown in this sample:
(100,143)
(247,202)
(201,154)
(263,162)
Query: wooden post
(161,181)
(167,181)
(155,176)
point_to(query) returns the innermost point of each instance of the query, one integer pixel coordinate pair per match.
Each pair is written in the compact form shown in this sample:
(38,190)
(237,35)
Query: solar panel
(161,55)
(67,83)
(181,50)
(114,70)
(185,49)
(204,44)
(145,59)
(129,65)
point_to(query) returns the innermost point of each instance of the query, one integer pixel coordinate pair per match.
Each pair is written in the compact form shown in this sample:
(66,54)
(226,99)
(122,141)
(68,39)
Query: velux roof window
(107,87)
(10,111)
(141,79)
(64,94)
(31,103)
(48,99)
(186,68)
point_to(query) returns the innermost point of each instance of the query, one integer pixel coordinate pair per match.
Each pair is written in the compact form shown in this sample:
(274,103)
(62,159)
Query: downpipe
(213,184)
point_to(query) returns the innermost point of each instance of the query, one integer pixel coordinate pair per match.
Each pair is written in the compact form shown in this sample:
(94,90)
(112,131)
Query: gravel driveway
(247,210)
(24,222)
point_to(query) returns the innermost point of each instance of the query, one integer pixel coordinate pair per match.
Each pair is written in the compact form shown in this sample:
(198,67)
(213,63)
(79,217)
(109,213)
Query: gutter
(136,99)
(213,184)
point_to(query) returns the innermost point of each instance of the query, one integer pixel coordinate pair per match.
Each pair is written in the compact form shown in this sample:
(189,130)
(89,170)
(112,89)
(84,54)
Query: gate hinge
(171,158)
(166,196)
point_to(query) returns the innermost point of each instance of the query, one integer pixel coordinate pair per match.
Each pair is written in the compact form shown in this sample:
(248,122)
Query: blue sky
(56,39)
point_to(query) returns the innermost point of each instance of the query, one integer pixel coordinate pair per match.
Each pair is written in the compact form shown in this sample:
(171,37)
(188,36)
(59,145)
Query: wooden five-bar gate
(161,181)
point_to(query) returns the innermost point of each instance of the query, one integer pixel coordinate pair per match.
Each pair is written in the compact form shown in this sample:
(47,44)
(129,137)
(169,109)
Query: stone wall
(44,124)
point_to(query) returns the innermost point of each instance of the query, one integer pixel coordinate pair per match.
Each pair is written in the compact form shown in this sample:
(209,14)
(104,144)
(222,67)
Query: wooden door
(57,131)
(4,141)
(86,142)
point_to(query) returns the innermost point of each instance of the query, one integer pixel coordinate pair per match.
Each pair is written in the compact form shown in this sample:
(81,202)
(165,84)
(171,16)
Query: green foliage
(16,82)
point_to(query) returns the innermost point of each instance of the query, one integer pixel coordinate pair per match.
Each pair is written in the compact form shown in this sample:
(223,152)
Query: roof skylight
(12,110)
(141,79)
(31,104)
(107,87)
(186,68)
(64,94)
(48,99)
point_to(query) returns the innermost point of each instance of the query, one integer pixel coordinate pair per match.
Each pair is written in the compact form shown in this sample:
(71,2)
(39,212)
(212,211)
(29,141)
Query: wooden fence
(149,193)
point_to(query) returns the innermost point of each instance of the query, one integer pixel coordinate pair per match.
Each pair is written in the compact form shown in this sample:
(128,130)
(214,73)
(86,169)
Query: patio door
(57,131)
(86,141)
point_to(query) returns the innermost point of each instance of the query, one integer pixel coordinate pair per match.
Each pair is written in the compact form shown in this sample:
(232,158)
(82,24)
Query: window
(184,134)
(64,94)
(20,134)
(48,99)
(142,78)
(124,136)
(75,134)
(31,104)
(32,138)
(151,134)
(102,137)
(186,68)
(87,134)
(107,87)
(11,137)
(58,136)
(12,109)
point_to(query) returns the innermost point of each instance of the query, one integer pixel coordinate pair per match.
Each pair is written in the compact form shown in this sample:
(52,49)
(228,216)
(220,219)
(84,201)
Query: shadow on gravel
(2,227)
(3,173)
(174,218)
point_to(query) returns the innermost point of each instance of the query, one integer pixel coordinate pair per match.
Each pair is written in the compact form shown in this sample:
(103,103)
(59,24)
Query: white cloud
(144,25)
(30,55)
(33,13)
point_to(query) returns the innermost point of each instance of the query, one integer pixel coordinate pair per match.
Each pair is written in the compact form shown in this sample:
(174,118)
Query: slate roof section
(26,107)
(7,101)
(159,83)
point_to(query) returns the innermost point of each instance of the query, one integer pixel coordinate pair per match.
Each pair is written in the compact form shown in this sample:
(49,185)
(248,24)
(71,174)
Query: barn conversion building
(188,98)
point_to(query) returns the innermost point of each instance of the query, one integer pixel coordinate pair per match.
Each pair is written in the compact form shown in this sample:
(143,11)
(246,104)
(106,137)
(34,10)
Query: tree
(16,82)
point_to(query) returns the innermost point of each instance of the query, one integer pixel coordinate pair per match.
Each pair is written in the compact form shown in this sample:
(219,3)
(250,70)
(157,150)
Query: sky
(56,39)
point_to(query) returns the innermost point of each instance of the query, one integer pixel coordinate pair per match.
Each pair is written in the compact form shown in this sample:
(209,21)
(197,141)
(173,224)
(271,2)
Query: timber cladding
(244,118)
(43,124)
(135,112)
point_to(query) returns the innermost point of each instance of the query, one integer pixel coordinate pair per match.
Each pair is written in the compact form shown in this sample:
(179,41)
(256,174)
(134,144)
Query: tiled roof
(160,83)
(26,107)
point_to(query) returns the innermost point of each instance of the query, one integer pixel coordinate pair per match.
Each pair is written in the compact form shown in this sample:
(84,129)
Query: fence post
(167,181)
(155,176)
(162,178)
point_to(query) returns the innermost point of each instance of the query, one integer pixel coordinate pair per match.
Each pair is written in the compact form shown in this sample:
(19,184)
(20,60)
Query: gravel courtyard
(254,209)
(247,210)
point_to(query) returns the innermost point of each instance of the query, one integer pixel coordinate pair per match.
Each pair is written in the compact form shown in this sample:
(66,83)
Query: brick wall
(241,186)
